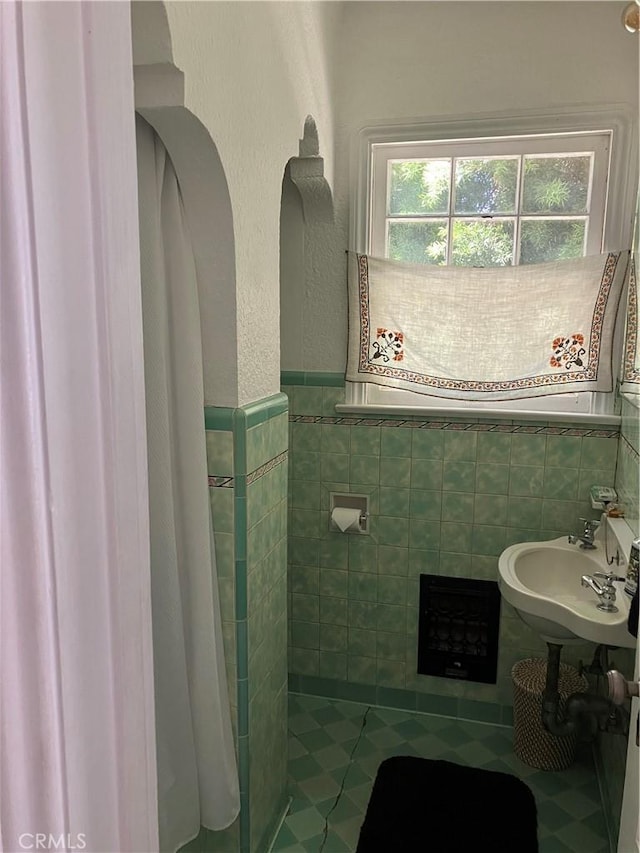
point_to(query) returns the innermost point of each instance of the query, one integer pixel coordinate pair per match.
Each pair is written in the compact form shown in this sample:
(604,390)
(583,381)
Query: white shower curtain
(77,734)
(197,775)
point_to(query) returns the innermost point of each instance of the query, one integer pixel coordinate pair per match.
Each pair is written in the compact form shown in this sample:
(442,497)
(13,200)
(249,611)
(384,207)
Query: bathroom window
(489,202)
(489,192)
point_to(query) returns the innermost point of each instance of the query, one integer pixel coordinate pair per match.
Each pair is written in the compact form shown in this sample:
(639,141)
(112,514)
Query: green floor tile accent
(338,747)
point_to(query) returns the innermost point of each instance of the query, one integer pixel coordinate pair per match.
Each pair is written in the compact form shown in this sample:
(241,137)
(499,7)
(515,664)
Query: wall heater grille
(458,628)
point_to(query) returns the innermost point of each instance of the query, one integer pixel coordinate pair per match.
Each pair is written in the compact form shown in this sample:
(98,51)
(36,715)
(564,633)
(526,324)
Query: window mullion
(519,195)
(452,191)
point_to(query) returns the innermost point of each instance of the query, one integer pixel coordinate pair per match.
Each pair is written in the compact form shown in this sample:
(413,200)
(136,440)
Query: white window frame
(595,143)
(612,234)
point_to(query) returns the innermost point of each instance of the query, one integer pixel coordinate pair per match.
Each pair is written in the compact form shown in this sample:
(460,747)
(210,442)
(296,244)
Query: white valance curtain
(484,334)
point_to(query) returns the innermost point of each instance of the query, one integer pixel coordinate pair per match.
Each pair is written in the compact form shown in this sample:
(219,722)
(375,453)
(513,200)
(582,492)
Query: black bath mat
(423,806)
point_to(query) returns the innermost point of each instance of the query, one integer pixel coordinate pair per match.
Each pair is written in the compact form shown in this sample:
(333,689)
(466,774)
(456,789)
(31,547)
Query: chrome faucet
(606,592)
(586,538)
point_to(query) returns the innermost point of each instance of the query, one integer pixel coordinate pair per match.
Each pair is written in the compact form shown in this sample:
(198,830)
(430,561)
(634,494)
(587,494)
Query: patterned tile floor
(334,758)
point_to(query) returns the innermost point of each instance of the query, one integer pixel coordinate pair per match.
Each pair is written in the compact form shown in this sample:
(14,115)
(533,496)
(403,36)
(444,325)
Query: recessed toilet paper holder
(359,503)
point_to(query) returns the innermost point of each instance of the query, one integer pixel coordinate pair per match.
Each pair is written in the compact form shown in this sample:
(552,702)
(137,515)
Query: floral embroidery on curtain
(388,345)
(481,334)
(568,352)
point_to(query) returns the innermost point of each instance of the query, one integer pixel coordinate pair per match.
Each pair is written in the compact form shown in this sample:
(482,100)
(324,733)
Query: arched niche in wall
(159,99)
(306,211)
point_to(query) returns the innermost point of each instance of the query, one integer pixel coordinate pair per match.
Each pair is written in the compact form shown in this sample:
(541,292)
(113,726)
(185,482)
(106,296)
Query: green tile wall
(627,474)
(443,501)
(611,751)
(267,643)
(247,467)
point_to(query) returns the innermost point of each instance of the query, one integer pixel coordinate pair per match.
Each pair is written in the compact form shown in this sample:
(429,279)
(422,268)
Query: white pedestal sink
(542,581)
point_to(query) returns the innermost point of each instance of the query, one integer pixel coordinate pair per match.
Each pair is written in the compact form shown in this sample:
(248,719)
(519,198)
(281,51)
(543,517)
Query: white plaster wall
(151,40)
(292,276)
(253,71)
(413,60)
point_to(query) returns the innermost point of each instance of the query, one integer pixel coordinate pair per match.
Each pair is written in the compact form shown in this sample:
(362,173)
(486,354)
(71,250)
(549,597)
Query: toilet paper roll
(345,518)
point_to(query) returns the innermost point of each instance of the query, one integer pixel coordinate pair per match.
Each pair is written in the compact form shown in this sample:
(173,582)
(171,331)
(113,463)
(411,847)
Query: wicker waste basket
(532,743)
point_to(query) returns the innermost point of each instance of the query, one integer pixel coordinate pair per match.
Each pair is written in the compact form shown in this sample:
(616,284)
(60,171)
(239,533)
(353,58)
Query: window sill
(453,413)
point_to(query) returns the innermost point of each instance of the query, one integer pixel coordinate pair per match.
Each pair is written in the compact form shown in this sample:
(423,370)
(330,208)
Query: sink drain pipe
(581,711)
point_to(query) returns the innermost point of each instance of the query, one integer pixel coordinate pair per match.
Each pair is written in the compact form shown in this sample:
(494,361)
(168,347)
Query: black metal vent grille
(458,628)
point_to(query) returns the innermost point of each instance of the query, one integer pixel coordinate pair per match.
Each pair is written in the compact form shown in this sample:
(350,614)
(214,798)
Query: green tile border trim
(261,410)
(268,466)
(315,378)
(225,418)
(218,418)
(404,700)
(250,416)
(457,426)
(239,443)
(245,817)
(216,482)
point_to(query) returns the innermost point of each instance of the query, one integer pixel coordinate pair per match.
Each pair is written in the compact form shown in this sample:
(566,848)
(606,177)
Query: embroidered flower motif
(568,352)
(389,345)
